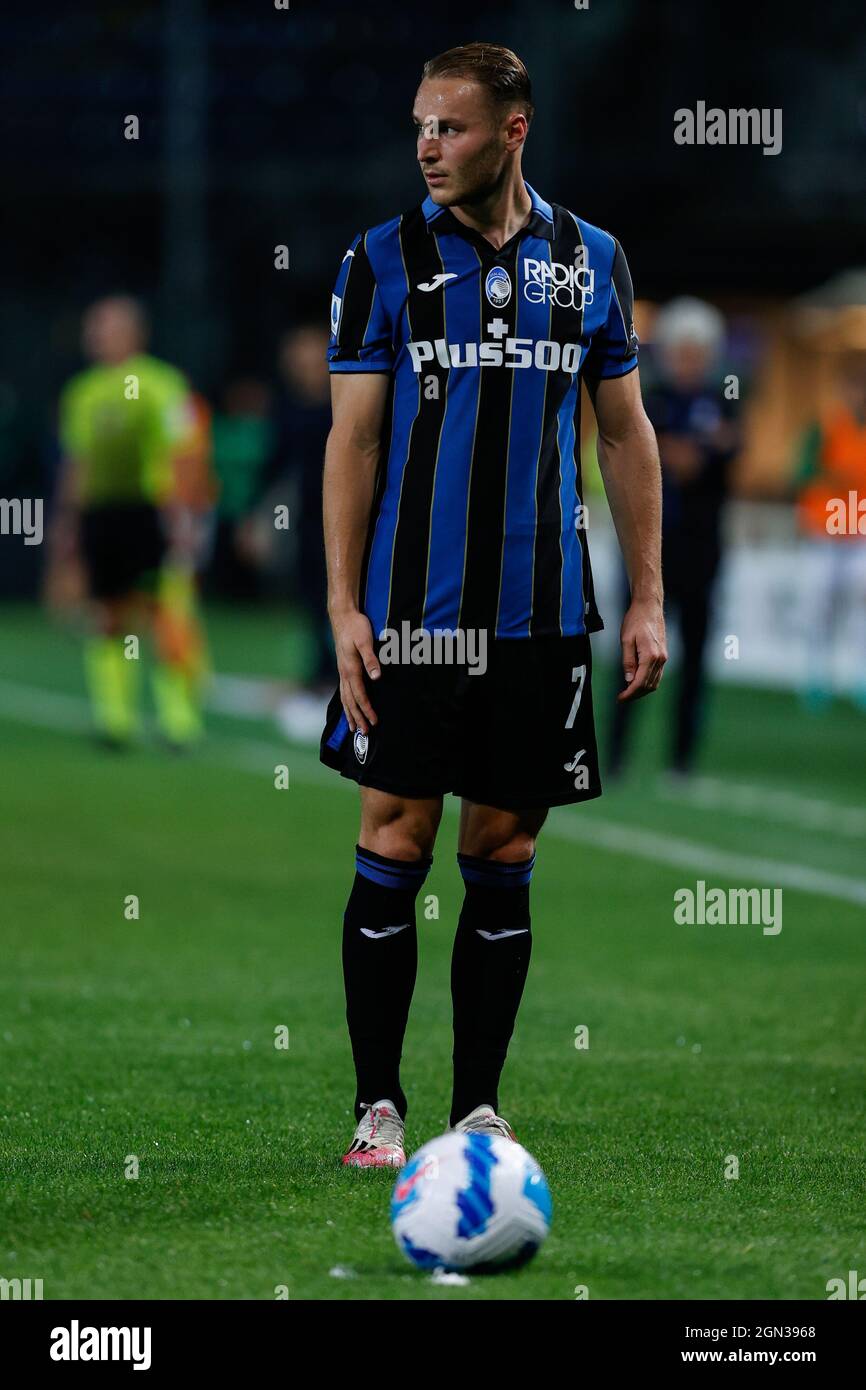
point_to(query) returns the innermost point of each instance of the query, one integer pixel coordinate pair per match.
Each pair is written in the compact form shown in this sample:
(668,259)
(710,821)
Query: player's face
(304,364)
(688,363)
(111,331)
(463,141)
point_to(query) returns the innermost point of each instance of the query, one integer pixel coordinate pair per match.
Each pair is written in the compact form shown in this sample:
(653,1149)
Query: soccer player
(461,332)
(135,445)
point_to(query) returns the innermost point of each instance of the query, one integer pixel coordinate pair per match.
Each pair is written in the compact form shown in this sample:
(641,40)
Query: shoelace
(487,1124)
(383,1128)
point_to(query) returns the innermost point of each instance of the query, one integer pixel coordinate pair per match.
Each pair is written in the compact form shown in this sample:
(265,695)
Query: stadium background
(261,127)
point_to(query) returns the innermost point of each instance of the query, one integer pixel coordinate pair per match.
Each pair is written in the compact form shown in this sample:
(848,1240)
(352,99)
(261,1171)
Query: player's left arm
(629,462)
(628,458)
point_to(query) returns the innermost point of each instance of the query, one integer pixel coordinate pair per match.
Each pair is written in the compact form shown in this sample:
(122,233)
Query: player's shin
(489,964)
(112,685)
(380,957)
(181,658)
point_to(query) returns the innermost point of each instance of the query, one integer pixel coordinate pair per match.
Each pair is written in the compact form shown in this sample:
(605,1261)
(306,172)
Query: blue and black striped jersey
(474,523)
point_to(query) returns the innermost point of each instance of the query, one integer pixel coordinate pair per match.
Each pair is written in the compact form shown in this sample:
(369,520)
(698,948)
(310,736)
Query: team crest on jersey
(362,743)
(336,310)
(498,287)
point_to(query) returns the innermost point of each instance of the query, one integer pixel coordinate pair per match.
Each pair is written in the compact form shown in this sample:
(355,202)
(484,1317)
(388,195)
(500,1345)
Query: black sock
(379,965)
(488,971)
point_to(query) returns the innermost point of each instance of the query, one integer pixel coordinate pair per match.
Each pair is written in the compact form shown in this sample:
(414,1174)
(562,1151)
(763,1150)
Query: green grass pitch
(155,1038)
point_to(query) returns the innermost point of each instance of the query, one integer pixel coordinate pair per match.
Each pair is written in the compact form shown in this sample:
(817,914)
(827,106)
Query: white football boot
(484,1120)
(378,1141)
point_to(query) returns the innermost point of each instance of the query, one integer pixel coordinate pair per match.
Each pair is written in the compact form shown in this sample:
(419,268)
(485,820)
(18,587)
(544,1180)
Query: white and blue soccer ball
(470,1201)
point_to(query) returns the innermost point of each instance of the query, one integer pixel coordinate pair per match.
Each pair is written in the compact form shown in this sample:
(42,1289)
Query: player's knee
(502,844)
(399,841)
(507,837)
(514,850)
(400,832)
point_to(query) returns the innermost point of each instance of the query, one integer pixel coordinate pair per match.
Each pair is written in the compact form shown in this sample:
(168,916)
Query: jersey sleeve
(614,346)
(361,335)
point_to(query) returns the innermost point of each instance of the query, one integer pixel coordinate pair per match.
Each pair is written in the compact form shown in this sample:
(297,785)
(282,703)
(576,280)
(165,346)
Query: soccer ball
(470,1201)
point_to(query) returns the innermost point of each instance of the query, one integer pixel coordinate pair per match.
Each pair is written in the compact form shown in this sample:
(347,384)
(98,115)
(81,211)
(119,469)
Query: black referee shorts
(122,546)
(519,736)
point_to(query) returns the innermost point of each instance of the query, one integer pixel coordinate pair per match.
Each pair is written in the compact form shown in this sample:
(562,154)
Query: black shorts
(518,736)
(122,545)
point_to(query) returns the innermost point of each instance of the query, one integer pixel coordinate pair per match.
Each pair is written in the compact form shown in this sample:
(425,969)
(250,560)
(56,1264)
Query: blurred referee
(461,331)
(134,446)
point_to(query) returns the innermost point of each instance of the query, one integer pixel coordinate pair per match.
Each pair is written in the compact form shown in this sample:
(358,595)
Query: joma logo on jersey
(566,286)
(542,353)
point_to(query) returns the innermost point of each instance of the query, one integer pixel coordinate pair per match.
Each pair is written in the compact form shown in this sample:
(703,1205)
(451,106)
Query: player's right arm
(62,548)
(73,433)
(351,462)
(360,359)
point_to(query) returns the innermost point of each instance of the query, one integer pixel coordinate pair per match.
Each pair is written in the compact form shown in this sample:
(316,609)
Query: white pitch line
(49,709)
(743,798)
(704,859)
(32,705)
(585,827)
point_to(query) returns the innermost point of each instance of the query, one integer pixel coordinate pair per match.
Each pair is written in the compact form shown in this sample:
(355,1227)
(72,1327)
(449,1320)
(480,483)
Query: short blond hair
(497,69)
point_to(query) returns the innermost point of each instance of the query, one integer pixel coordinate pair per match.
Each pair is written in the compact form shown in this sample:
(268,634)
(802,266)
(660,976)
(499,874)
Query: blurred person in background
(301,421)
(133,445)
(241,442)
(831,485)
(191,509)
(697,439)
